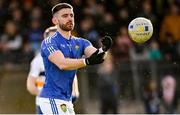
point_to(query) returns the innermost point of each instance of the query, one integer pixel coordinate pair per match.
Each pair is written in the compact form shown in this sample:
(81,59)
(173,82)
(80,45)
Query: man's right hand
(95,58)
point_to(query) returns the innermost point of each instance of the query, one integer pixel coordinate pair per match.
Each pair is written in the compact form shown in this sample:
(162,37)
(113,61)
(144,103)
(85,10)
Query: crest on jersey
(63,107)
(77,47)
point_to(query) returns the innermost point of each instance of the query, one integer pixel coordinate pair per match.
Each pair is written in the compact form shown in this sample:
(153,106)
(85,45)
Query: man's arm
(75,89)
(106,44)
(33,76)
(89,51)
(31,85)
(56,56)
(65,63)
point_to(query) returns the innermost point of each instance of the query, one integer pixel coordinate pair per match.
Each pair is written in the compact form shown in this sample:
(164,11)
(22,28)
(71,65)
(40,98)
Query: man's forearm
(34,91)
(31,87)
(71,64)
(66,63)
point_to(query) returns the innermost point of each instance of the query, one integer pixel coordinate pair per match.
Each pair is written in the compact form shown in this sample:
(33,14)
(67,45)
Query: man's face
(65,19)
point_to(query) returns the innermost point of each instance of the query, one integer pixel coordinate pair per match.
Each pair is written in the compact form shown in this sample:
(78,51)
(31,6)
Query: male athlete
(62,56)
(36,77)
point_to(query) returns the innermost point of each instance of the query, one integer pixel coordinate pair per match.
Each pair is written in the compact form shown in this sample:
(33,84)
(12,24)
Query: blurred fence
(14,97)
(132,76)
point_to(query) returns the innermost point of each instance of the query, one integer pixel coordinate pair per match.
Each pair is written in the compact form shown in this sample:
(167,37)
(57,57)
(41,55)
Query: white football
(140,30)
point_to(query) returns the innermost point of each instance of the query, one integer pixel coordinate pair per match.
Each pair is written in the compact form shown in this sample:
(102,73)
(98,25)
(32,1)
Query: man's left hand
(107,43)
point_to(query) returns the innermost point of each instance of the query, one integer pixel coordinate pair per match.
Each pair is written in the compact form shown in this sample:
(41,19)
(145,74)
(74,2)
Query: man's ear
(54,20)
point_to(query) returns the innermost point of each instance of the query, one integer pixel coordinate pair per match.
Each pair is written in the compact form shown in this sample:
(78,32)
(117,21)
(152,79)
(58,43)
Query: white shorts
(37,101)
(56,106)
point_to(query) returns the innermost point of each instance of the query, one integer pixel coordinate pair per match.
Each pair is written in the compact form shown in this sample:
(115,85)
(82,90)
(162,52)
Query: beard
(69,26)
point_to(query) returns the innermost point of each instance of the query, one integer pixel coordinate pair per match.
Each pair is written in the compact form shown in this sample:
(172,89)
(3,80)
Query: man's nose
(70,18)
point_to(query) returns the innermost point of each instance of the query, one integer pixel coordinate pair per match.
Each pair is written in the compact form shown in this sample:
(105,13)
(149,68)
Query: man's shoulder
(79,38)
(76,38)
(49,40)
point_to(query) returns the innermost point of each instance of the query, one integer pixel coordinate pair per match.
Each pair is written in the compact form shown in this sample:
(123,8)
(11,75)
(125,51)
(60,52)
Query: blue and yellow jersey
(58,82)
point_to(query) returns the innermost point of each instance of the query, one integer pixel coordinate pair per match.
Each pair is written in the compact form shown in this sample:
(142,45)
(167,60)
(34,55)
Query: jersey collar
(60,36)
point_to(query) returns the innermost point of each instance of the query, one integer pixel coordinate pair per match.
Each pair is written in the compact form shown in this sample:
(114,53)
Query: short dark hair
(60,6)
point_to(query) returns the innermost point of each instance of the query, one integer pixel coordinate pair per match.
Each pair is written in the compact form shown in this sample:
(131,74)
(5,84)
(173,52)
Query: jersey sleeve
(85,43)
(34,68)
(48,47)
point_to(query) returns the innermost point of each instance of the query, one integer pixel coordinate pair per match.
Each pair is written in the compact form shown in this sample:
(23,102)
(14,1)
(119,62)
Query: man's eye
(64,15)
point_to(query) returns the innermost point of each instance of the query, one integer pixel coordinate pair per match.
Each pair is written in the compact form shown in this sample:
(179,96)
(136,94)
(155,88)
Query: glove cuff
(101,50)
(86,61)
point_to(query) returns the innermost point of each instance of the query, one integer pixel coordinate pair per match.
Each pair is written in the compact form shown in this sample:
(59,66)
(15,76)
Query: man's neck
(65,34)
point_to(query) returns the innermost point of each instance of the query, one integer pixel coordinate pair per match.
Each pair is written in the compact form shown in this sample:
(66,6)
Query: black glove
(107,43)
(95,58)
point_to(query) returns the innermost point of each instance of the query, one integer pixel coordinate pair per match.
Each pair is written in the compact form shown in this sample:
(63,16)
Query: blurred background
(136,78)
